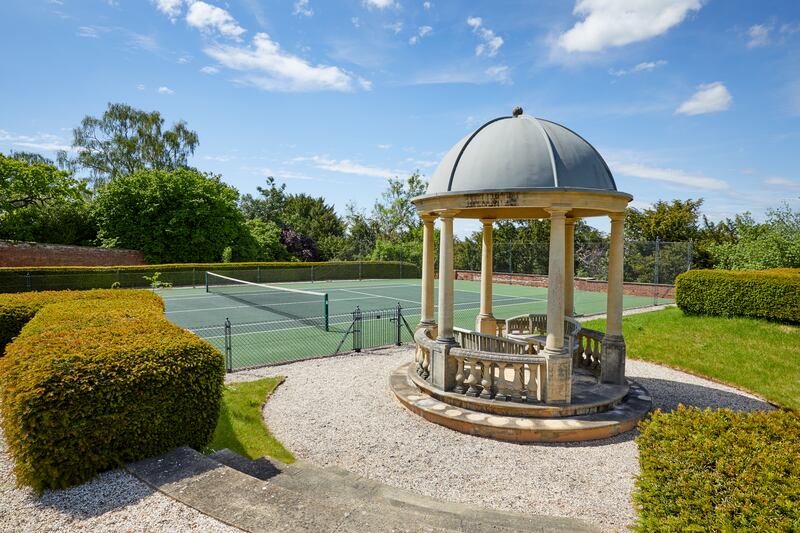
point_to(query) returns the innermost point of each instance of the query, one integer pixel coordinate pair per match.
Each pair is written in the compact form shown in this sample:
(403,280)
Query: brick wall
(27,254)
(534,280)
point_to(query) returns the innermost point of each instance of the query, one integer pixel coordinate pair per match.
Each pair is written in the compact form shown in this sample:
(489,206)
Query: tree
(172,217)
(395,214)
(39,202)
(266,237)
(299,245)
(125,140)
(269,206)
(675,221)
(315,219)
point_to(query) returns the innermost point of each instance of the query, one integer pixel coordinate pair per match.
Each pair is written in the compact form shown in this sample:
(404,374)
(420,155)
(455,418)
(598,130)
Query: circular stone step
(623,417)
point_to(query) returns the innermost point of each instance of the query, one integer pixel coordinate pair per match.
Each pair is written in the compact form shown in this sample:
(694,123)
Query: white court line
(330,289)
(382,297)
(256,306)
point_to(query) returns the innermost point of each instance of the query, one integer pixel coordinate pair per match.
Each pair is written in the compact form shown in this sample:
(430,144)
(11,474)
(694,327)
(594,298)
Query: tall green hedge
(719,471)
(772,294)
(16,279)
(94,379)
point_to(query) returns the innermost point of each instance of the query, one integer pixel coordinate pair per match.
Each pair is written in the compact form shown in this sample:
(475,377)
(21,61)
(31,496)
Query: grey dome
(521,152)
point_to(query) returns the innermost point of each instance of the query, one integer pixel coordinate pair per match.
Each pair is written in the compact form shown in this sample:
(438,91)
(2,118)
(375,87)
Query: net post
(327,324)
(206,274)
(357,329)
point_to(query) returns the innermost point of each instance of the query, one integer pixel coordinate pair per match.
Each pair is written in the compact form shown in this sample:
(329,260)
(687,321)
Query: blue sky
(684,98)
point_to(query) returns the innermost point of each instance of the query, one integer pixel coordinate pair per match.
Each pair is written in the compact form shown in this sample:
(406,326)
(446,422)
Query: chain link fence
(655,262)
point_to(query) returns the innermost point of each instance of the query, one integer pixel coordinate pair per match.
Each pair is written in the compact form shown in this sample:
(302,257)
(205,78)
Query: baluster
(503,391)
(418,360)
(588,352)
(473,381)
(426,363)
(518,383)
(532,393)
(459,387)
(486,382)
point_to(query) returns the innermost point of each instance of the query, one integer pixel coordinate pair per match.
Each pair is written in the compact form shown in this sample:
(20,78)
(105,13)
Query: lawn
(241,427)
(760,356)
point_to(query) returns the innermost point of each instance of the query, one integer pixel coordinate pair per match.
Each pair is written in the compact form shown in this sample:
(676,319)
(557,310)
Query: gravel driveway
(339,411)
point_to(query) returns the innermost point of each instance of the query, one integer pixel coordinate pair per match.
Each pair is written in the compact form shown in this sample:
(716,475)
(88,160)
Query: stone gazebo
(531,377)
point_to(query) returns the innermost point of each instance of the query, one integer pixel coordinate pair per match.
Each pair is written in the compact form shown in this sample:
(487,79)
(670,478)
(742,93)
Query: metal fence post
(510,250)
(689,256)
(398,320)
(655,267)
(228,346)
(258,274)
(357,341)
(27,281)
(194,282)
(360,263)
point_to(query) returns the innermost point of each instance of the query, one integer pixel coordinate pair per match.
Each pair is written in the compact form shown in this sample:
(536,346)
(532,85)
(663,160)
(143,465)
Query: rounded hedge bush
(771,294)
(95,379)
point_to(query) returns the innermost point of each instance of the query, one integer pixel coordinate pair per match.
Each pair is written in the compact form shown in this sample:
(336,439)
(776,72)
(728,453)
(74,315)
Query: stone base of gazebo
(597,411)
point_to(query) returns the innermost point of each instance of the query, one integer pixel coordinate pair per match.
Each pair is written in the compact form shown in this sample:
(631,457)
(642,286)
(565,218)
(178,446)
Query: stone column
(446,278)
(485,322)
(559,362)
(443,367)
(569,267)
(612,362)
(428,256)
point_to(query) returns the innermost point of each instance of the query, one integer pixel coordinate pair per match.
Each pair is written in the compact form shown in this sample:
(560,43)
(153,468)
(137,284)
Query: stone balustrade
(500,376)
(422,356)
(588,351)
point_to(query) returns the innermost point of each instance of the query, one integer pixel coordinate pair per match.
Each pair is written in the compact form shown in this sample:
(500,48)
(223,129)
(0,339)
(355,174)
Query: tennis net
(307,307)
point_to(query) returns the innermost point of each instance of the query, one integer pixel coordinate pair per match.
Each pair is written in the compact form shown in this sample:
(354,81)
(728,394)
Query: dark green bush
(98,378)
(772,294)
(719,471)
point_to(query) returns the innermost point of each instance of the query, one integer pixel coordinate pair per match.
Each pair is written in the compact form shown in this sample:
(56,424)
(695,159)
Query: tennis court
(283,322)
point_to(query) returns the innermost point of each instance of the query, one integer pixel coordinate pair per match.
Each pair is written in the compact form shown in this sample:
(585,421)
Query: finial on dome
(517,111)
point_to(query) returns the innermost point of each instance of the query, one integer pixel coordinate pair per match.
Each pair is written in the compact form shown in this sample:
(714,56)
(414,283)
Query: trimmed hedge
(94,379)
(719,471)
(17,279)
(771,294)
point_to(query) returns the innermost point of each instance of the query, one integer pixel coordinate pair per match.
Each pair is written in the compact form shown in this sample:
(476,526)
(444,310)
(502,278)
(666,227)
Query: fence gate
(375,328)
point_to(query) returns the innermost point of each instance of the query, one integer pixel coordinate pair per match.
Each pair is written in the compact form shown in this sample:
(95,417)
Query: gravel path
(113,501)
(339,411)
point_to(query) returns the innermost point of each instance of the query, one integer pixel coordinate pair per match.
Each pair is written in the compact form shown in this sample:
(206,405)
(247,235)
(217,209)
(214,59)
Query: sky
(683,98)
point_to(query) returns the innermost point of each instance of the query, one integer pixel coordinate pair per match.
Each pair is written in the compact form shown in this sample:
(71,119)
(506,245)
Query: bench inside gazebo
(535,377)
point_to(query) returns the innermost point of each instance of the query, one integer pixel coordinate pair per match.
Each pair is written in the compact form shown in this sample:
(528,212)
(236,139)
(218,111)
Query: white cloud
(40,141)
(609,23)
(206,17)
(346,166)
(396,27)
(641,67)
(356,22)
(709,98)
(140,87)
(302,8)
(422,32)
(781,181)
(758,35)
(165,90)
(427,5)
(171,8)
(91,32)
(209,70)
(274,69)
(183,60)
(499,73)
(669,175)
(383,146)
(381,4)
(491,43)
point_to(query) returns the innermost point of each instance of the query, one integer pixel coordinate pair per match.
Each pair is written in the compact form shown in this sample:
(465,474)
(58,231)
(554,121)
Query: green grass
(756,355)
(241,427)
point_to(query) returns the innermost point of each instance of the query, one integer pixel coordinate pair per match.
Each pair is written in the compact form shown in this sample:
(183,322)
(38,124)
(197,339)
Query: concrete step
(265,495)
(622,417)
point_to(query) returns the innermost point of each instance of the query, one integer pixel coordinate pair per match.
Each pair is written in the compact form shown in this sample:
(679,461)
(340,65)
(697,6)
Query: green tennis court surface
(272,326)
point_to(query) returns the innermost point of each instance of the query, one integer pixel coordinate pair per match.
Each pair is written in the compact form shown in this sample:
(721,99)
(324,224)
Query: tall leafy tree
(178,216)
(268,205)
(675,221)
(395,214)
(124,140)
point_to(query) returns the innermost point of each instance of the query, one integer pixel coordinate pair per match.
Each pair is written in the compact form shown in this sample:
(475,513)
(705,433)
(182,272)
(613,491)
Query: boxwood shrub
(719,471)
(93,379)
(772,294)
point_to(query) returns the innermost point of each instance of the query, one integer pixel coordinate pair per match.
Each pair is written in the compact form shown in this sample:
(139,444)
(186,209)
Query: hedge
(719,471)
(17,279)
(94,379)
(771,294)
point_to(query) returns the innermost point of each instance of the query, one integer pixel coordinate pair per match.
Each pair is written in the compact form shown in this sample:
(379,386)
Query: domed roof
(521,152)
